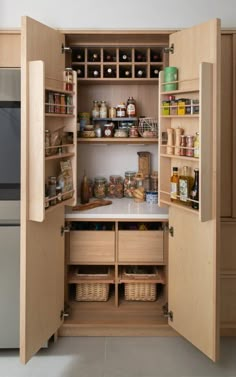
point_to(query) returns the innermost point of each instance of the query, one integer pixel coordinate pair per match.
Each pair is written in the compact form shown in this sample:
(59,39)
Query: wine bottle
(127,73)
(95,73)
(84,190)
(79,57)
(140,73)
(109,72)
(124,57)
(195,190)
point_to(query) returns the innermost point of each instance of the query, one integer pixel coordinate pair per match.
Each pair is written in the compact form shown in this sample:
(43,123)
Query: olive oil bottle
(174,184)
(185,185)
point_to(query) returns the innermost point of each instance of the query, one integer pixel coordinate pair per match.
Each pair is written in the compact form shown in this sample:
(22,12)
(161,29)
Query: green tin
(170,75)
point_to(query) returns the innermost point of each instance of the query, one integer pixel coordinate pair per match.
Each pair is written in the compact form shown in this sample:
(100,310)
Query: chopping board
(93,204)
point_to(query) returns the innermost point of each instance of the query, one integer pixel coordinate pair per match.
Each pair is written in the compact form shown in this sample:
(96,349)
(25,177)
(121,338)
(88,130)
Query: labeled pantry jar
(129,184)
(100,185)
(115,187)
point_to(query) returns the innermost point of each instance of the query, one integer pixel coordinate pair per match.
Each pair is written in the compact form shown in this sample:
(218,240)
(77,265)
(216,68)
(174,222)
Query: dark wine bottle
(84,194)
(195,190)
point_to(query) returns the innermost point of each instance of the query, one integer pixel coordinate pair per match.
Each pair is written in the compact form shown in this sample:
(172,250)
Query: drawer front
(140,246)
(228,242)
(227,299)
(92,247)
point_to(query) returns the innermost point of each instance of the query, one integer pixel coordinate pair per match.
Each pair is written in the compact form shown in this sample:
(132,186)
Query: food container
(170,75)
(108,130)
(151,197)
(84,120)
(129,184)
(115,187)
(100,184)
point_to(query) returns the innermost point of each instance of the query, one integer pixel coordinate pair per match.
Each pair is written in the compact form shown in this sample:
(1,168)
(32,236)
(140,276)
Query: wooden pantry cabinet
(188,275)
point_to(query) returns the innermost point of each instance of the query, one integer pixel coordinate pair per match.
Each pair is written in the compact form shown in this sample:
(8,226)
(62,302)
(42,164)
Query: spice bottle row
(184,188)
(180,106)
(57,142)
(58,103)
(132,185)
(60,186)
(101,109)
(180,144)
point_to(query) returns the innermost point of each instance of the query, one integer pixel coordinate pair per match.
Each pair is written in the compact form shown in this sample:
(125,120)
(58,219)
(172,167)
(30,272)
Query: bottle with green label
(185,185)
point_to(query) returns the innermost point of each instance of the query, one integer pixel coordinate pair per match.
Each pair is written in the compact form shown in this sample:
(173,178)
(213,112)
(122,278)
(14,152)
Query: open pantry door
(42,245)
(194,234)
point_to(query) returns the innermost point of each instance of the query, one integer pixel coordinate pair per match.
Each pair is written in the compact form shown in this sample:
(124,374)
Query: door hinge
(65,49)
(65,229)
(170,49)
(167,313)
(63,314)
(171,231)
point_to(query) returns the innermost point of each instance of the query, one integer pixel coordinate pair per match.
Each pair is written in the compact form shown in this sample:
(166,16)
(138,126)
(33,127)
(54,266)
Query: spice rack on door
(42,166)
(202,89)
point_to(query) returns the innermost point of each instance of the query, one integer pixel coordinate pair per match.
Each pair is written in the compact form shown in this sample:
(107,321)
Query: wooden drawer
(92,247)
(227,299)
(140,246)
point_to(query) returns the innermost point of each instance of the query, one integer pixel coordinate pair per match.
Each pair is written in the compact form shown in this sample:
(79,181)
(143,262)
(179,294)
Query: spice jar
(189,145)
(108,129)
(115,187)
(121,110)
(182,145)
(103,110)
(133,131)
(112,112)
(68,78)
(129,184)
(57,102)
(52,181)
(196,146)
(100,187)
(63,103)
(47,142)
(131,107)
(95,110)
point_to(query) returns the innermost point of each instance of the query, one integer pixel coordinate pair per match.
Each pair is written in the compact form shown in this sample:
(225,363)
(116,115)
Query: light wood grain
(10,47)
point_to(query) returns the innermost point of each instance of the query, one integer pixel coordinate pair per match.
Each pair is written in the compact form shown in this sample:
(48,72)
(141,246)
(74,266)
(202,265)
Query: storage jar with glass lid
(115,187)
(129,184)
(100,185)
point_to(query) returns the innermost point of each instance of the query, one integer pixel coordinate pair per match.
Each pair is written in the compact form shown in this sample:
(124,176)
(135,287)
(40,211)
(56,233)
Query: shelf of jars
(123,63)
(52,141)
(185,131)
(117,140)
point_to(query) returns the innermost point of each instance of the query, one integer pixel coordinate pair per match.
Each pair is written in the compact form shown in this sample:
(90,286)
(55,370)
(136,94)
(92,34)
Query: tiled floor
(121,357)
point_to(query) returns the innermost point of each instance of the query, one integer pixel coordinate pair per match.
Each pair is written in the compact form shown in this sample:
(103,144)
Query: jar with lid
(129,184)
(100,184)
(63,104)
(196,145)
(68,78)
(47,142)
(131,107)
(95,110)
(108,129)
(52,183)
(182,145)
(115,187)
(133,131)
(121,110)
(189,145)
(139,180)
(103,110)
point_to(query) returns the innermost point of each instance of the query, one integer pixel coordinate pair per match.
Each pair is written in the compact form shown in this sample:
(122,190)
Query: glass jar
(100,184)
(63,103)
(196,145)
(121,110)
(115,187)
(133,131)
(103,110)
(189,145)
(108,130)
(182,145)
(52,182)
(139,180)
(95,110)
(131,107)
(68,78)
(47,142)
(154,181)
(129,184)
(57,102)
(146,183)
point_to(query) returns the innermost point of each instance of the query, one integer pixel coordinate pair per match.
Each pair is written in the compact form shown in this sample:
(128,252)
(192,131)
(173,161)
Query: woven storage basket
(140,291)
(92,291)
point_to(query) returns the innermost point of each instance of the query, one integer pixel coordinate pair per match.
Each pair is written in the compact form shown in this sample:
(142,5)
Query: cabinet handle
(65,49)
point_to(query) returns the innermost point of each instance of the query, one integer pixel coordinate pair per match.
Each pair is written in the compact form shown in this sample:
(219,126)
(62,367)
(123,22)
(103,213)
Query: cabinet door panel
(193,249)
(42,246)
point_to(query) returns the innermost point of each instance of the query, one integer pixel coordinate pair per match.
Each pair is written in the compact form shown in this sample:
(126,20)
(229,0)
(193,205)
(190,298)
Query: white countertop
(121,209)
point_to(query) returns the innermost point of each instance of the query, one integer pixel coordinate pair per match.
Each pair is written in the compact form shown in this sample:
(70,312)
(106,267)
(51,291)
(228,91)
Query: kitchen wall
(103,14)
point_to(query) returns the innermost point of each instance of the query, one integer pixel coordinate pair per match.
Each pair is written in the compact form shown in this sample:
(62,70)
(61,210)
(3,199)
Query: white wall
(118,14)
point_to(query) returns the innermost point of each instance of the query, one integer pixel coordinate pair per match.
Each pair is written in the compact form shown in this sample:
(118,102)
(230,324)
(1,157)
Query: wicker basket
(140,291)
(92,291)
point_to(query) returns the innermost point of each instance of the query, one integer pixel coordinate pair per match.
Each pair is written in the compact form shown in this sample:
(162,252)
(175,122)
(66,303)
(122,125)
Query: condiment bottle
(103,110)
(182,145)
(174,184)
(95,110)
(131,107)
(68,77)
(84,194)
(185,184)
(178,132)
(196,146)
(189,145)
(195,190)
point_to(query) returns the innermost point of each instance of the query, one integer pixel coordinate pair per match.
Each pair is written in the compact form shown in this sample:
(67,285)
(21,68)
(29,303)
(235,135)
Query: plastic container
(170,75)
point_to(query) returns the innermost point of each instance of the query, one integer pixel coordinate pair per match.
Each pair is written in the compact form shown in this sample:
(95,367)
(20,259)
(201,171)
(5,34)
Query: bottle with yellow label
(174,184)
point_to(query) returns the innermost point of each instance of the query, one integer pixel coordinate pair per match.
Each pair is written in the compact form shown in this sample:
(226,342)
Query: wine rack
(118,63)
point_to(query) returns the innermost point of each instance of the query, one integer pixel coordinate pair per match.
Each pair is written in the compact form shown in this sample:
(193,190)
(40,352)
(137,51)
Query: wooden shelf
(179,157)
(59,156)
(74,278)
(56,115)
(158,278)
(117,140)
(187,116)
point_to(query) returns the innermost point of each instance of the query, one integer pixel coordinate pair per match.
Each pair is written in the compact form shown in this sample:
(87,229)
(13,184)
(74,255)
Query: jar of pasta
(115,187)
(100,184)
(129,184)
